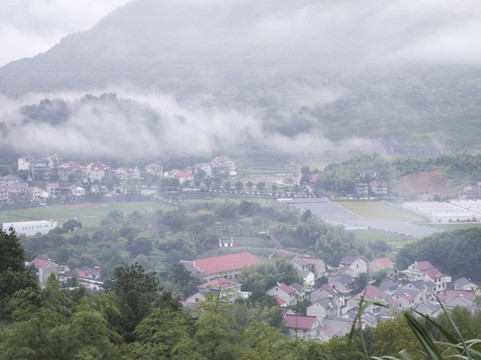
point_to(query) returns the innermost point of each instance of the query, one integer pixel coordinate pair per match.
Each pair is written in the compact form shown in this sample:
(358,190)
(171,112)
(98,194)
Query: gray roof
(461,282)
(387,284)
(299,261)
(421,284)
(327,303)
(345,280)
(303,273)
(401,292)
(458,301)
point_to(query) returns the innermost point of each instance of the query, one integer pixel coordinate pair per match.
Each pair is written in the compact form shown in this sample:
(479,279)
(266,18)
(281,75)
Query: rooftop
(300,322)
(226,263)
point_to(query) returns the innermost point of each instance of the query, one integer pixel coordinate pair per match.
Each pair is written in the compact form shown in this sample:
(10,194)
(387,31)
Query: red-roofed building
(284,292)
(127,173)
(43,268)
(183,176)
(306,326)
(353,265)
(228,266)
(450,294)
(87,273)
(316,266)
(404,300)
(324,292)
(96,171)
(71,171)
(380,264)
(424,270)
(370,293)
(281,302)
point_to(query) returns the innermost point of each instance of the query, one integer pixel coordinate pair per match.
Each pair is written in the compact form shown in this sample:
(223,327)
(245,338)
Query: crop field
(90,214)
(376,210)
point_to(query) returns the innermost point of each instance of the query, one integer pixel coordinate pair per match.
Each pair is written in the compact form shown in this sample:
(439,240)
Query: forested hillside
(343,82)
(457,253)
(340,178)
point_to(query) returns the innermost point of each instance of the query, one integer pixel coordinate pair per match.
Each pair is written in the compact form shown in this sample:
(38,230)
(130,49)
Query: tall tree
(13,274)
(135,291)
(11,252)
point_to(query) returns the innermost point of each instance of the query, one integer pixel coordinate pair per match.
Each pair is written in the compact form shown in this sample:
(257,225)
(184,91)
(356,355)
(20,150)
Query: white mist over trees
(303,77)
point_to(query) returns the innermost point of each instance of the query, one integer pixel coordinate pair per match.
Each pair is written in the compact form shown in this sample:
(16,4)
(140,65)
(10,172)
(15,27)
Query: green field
(90,214)
(252,167)
(451,227)
(370,235)
(375,210)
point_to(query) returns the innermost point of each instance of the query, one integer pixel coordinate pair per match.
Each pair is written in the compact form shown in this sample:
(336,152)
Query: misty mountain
(333,70)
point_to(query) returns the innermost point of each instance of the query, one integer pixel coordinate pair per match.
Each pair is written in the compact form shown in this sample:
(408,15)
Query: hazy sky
(29,27)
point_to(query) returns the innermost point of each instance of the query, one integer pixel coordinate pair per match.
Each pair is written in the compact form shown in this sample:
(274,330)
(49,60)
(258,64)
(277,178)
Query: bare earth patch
(426,184)
(82,206)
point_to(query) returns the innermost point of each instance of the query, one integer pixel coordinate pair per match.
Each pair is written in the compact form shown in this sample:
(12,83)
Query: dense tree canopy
(454,252)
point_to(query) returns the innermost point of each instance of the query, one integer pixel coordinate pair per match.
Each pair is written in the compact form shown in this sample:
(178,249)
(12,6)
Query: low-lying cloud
(136,125)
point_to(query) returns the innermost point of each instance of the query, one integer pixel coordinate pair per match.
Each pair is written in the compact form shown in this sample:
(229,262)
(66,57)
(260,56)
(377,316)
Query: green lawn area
(90,214)
(376,210)
(450,227)
(264,166)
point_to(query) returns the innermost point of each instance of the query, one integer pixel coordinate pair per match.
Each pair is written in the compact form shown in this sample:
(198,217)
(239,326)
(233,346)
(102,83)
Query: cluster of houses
(373,186)
(335,303)
(13,188)
(368,185)
(88,277)
(62,178)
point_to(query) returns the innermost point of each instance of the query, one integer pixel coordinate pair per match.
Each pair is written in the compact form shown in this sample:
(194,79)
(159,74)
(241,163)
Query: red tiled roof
(39,262)
(280,301)
(226,263)
(329,289)
(87,272)
(384,262)
(219,283)
(451,294)
(425,265)
(373,292)
(433,273)
(296,286)
(183,173)
(393,301)
(300,322)
(285,310)
(286,288)
(97,165)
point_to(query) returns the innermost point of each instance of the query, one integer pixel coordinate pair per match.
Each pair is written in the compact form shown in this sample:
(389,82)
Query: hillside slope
(329,67)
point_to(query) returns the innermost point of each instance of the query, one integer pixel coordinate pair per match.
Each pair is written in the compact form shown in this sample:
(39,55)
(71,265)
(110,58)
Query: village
(335,302)
(43,180)
(334,294)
